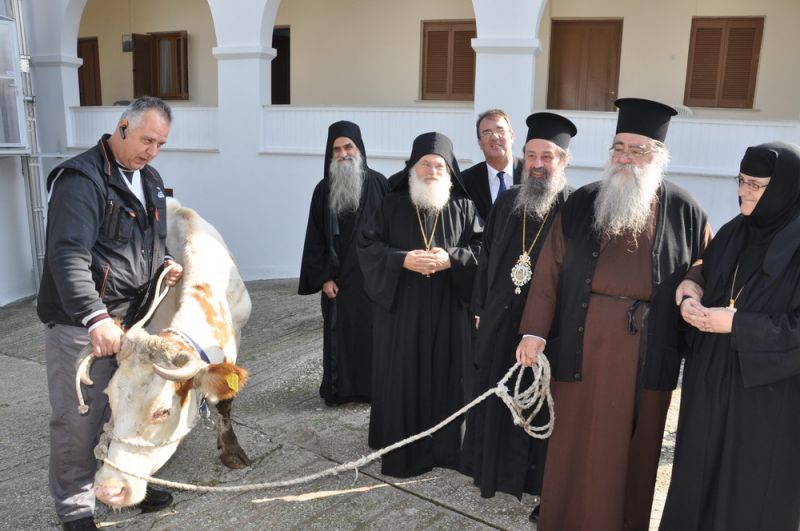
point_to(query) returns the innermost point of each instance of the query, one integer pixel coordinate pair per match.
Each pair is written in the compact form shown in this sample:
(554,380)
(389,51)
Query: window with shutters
(160,65)
(723,62)
(12,115)
(448,60)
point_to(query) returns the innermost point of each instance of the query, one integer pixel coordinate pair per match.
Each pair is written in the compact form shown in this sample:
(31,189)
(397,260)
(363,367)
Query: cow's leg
(230,452)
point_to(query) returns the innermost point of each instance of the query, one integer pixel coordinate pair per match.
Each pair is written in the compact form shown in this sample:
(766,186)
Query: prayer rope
(524,405)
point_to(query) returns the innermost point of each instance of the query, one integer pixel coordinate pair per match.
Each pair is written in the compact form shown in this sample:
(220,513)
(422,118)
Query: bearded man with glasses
(601,306)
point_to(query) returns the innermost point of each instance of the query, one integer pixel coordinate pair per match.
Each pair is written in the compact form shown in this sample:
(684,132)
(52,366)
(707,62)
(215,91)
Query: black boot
(81,524)
(155,500)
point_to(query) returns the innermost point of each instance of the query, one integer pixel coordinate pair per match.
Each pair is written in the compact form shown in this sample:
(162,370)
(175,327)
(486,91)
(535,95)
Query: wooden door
(89,72)
(584,64)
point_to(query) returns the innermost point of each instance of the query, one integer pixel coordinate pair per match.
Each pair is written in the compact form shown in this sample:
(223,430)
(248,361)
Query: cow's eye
(160,415)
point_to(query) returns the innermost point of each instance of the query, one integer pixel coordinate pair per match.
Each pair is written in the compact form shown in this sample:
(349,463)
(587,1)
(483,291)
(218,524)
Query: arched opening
(367,53)
(156,47)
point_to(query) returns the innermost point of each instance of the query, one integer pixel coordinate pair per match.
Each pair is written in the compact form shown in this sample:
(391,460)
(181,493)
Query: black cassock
(496,453)
(421,328)
(737,458)
(329,253)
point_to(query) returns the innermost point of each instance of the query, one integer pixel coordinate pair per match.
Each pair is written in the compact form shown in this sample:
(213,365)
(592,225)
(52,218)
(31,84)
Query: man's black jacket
(103,245)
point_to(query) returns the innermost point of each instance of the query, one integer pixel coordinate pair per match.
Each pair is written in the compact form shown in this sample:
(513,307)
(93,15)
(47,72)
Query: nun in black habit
(421,319)
(737,458)
(329,254)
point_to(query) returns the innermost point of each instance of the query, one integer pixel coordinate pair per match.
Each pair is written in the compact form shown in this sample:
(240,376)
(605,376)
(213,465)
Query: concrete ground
(281,422)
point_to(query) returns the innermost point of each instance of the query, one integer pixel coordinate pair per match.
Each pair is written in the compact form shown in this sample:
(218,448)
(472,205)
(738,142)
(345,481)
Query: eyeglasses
(489,133)
(633,152)
(751,185)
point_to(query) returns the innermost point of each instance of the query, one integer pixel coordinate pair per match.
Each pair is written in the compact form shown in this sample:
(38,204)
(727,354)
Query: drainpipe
(31,163)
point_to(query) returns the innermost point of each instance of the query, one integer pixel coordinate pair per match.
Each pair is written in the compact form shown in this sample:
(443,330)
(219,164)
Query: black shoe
(534,516)
(155,500)
(81,524)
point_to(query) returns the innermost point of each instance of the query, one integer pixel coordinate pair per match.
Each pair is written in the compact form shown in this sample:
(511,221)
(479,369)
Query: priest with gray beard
(347,195)
(496,453)
(419,254)
(603,296)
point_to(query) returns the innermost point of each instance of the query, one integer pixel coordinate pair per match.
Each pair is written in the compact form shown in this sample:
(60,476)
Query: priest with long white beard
(419,255)
(347,195)
(602,308)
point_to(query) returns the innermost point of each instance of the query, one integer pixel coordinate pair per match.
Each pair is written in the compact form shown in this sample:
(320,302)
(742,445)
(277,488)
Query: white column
(244,54)
(52,27)
(505,50)
(244,88)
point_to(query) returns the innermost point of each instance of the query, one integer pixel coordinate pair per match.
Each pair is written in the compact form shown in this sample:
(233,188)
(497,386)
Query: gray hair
(134,112)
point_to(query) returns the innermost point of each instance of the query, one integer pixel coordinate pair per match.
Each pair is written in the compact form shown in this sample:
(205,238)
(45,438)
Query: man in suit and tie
(486,180)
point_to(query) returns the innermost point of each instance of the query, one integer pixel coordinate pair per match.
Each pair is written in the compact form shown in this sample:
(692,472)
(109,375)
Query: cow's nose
(111,496)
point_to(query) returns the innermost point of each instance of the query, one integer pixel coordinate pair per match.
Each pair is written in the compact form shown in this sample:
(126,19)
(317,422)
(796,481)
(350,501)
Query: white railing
(193,128)
(698,146)
(388,131)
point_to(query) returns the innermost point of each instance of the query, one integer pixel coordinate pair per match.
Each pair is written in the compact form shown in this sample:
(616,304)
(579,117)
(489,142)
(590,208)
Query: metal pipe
(31,163)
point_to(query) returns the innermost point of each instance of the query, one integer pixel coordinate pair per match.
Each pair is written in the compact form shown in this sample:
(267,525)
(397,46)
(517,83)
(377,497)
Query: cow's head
(154,398)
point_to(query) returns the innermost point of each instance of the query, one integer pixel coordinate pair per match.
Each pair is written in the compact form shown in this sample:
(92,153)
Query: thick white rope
(530,400)
(86,356)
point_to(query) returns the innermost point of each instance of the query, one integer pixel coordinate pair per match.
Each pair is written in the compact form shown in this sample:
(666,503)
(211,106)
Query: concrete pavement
(282,424)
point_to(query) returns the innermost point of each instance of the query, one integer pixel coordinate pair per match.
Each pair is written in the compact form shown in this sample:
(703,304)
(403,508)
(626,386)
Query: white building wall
(16,262)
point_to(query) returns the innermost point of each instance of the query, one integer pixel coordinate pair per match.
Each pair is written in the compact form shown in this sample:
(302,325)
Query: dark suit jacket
(476,181)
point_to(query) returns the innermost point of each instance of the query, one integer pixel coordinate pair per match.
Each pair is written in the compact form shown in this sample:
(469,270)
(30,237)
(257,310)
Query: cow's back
(199,248)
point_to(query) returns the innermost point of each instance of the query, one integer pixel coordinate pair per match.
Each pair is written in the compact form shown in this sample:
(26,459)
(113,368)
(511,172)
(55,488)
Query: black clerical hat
(552,127)
(430,144)
(644,117)
(759,161)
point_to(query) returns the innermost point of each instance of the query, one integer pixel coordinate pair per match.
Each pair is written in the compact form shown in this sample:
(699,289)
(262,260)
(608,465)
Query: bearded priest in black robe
(419,256)
(496,453)
(348,193)
(737,465)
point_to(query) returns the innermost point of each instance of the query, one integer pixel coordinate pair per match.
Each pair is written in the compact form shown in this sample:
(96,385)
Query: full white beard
(345,181)
(536,196)
(624,203)
(426,196)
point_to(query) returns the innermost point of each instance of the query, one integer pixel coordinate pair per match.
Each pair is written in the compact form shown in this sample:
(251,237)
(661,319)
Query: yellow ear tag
(232,379)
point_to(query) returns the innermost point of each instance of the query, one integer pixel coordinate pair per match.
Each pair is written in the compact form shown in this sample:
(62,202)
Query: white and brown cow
(157,390)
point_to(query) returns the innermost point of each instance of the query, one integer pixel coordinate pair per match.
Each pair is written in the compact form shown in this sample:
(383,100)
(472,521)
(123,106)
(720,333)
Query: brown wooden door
(584,64)
(89,71)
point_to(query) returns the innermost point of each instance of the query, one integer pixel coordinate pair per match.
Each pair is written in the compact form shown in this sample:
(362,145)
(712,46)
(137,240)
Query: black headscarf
(430,144)
(348,130)
(779,204)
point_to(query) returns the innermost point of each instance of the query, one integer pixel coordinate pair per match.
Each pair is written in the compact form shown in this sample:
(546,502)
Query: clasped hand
(712,320)
(427,262)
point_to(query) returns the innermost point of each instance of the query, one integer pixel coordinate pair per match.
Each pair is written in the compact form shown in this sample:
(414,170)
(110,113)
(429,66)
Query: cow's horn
(184,372)
(85,364)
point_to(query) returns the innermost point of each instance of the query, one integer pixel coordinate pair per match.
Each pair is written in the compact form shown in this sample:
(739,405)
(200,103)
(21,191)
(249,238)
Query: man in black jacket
(485,181)
(106,235)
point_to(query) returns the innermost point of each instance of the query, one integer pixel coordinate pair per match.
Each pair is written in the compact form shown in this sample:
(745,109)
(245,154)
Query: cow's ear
(220,381)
